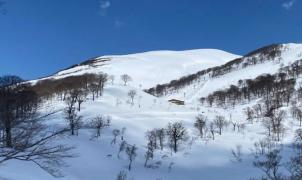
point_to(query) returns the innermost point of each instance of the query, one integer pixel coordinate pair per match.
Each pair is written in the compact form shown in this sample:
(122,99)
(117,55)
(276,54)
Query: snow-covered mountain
(184,75)
(151,68)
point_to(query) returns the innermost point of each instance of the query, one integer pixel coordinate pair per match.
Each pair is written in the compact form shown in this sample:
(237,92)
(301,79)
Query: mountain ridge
(174,63)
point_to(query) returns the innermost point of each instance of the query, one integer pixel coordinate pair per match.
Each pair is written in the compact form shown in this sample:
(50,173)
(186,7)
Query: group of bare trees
(172,137)
(268,158)
(98,124)
(268,152)
(215,126)
(75,122)
(279,87)
(175,135)
(156,140)
(78,87)
(271,116)
(83,84)
(23,131)
(130,151)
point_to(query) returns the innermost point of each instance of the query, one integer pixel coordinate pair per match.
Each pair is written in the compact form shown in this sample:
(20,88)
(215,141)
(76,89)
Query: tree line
(279,87)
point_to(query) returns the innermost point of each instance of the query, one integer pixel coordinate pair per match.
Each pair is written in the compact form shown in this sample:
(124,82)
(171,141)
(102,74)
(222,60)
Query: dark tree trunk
(129,166)
(175,146)
(72,128)
(8,134)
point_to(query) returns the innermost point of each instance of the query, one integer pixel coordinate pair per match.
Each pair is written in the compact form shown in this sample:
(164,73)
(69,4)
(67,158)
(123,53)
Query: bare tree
(115,132)
(170,166)
(275,122)
(262,146)
(152,138)
(258,110)
(81,97)
(150,152)
(99,123)
(73,119)
(267,125)
(200,123)
(250,114)
(126,78)
(131,152)
(122,175)
(237,154)
(93,88)
(122,148)
(297,114)
(161,134)
(177,133)
(102,79)
(212,130)
(220,123)
(132,94)
(240,127)
(278,127)
(234,123)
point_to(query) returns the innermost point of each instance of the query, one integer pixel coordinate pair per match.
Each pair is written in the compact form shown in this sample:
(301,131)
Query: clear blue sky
(39,37)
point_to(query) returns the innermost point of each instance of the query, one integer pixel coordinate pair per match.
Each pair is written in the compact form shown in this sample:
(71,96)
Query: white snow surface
(94,160)
(204,159)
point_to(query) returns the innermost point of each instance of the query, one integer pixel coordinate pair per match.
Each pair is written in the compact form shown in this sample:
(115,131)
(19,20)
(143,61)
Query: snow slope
(97,159)
(205,85)
(197,159)
(151,68)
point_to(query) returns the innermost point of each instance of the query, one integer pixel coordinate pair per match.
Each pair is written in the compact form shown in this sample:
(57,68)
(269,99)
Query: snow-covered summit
(150,68)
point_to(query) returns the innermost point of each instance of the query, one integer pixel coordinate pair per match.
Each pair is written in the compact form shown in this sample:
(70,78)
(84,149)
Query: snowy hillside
(151,68)
(206,155)
(206,84)
(97,159)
